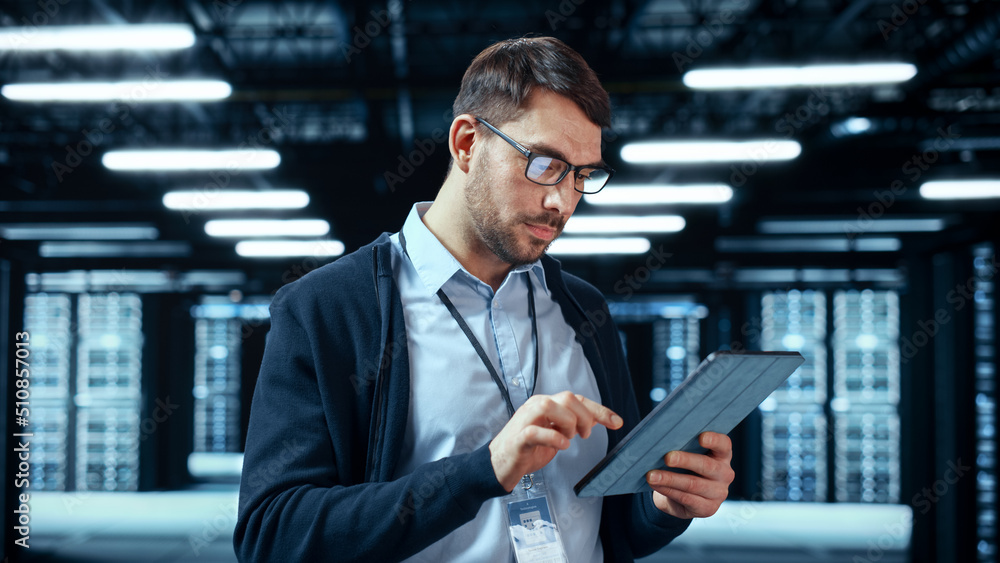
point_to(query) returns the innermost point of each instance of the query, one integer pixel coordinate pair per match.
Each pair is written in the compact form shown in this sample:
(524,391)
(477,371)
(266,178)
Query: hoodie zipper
(375,441)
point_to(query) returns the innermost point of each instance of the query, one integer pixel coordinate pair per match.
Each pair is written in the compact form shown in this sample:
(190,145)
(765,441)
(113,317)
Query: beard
(497,227)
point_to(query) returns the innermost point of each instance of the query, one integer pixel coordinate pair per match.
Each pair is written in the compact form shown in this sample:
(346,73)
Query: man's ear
(461,140)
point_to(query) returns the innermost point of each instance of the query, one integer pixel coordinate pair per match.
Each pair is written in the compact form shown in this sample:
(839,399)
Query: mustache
(554,221)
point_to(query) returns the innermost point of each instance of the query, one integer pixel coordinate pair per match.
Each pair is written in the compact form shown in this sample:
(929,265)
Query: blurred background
(812,175)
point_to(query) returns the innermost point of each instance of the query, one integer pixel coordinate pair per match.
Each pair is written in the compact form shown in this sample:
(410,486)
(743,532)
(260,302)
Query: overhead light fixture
(812,244)
(696,152)
(139,37)
(850,225)
(851,126)
(289,248)
(191,160)
(614,224)
(599,245)
(660,194)
(267,227)
(961,189)
(133,91)
(158,249)
(79,231)
(799,76)
(222,200)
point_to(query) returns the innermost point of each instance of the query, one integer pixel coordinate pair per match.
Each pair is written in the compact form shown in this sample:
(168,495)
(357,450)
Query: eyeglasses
(549,170)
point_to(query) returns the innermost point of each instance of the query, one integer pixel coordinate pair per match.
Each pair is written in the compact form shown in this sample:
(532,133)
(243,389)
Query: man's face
(512,216)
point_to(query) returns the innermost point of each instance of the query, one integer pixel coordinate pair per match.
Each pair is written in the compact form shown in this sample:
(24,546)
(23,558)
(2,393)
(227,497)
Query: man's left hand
(690,496)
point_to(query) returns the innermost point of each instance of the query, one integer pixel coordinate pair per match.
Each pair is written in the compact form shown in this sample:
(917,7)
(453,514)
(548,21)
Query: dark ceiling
(350,88)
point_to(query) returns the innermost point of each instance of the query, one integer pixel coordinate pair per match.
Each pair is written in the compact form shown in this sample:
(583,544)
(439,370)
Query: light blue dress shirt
(455,406)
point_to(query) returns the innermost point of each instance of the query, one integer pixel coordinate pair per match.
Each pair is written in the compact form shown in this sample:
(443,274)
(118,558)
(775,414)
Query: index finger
(600,413)
(720,445)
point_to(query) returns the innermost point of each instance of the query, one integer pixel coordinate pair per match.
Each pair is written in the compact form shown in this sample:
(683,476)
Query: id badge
(534,535)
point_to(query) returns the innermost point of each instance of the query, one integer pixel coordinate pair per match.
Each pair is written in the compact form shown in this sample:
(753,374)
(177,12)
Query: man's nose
(559,197)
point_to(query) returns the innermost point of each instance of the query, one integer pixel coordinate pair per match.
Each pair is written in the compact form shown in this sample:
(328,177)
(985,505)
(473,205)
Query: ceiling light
(961,189)
(612,224)
(113,249)
(850,225)
(267,227)
(286,248)
(851,126)
(816,244)
(144,37)
(183,160)
(691,152)
(133,92)
(660,194)
(799,76)
(79,231)
(220,200)
(591,245)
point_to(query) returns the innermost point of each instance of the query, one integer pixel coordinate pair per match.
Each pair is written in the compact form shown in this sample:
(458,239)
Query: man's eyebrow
(547,150)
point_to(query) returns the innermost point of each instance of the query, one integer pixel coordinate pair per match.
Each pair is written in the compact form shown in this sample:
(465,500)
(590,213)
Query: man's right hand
(544,425)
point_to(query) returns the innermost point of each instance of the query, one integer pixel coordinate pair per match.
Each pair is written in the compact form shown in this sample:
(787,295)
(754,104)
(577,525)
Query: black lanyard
(475,341)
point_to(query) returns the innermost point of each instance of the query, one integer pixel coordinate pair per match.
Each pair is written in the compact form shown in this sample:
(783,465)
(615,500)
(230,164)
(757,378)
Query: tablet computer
(716,396)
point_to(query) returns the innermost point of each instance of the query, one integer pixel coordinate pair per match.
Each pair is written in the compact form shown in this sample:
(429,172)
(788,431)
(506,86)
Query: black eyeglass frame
(531,156)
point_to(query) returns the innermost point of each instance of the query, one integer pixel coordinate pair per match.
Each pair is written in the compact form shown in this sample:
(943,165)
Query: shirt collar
(434,263)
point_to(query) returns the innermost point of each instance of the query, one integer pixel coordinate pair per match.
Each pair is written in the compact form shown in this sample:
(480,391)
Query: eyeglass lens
(549,170)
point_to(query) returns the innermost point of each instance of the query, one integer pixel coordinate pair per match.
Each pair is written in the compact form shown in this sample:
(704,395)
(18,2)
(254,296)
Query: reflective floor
(198,526)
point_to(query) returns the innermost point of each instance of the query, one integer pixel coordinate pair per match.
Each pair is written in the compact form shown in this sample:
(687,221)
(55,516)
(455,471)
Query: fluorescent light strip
(267,227)
(817,244)
(113,249)
(133,92)
(850,225)
(287,248)
(961,189)
(182,160)
(219,200)
(799,76)
(79,231)
(694,152)
(613,224)
(616,194)
(142,37)
(591,246)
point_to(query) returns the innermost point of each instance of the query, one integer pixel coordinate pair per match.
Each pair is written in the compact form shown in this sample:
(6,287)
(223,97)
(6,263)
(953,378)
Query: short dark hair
(501,79)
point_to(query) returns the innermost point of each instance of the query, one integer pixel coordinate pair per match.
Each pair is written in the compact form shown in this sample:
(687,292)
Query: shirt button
(496,305)
(516,382)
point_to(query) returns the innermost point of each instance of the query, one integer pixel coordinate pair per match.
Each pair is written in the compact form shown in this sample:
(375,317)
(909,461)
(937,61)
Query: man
(409,387)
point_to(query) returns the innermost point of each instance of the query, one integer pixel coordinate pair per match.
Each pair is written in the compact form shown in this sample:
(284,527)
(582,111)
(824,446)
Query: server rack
(841,434)
(88,389)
